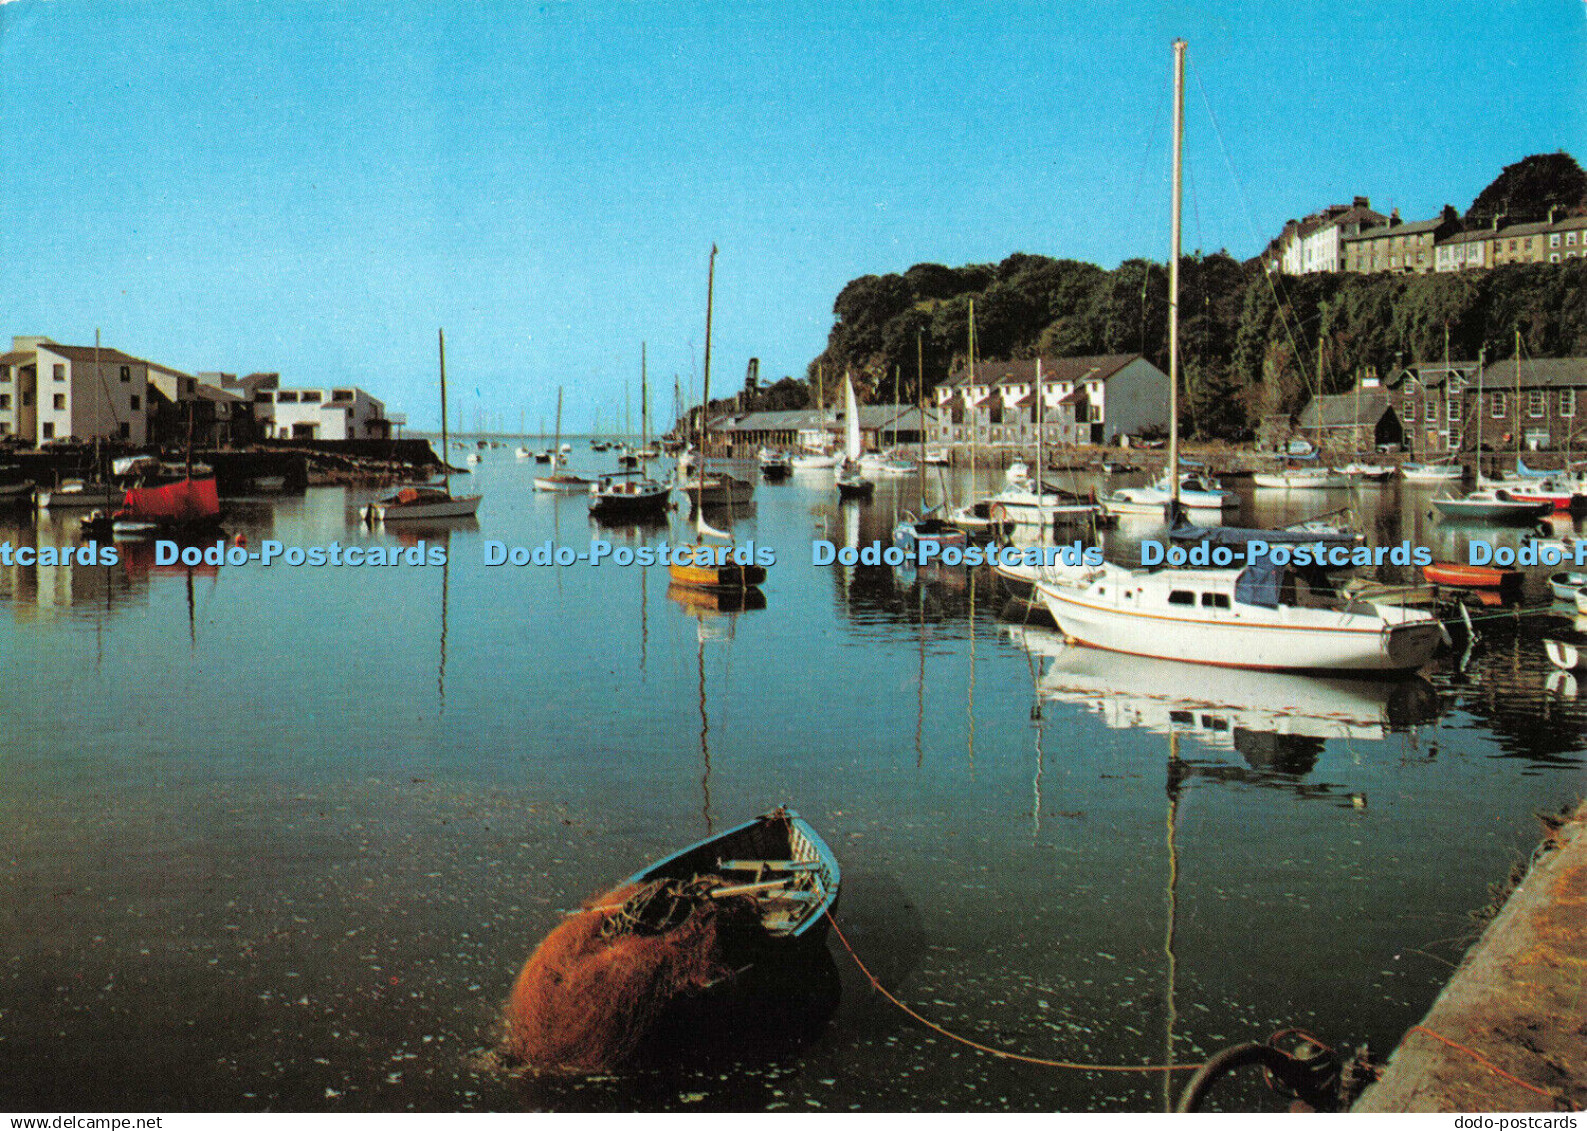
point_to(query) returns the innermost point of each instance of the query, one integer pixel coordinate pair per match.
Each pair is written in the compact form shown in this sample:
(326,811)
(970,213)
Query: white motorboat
(1262,616)
(78,494)
(1432,472)
(1265,619)
(814,461)
(1196,493)
(422,503)
(1302,479)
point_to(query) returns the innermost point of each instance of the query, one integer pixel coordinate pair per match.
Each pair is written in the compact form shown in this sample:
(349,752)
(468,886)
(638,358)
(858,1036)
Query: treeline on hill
(1249,342)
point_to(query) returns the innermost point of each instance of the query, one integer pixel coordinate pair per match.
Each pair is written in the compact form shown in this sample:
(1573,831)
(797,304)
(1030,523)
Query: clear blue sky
(315,187)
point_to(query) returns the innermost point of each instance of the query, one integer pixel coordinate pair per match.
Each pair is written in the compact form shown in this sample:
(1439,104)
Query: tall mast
(644,402)
(1040,496)
(974,426)
(705,393)
(1518,397)
(1173,279)
(446,468)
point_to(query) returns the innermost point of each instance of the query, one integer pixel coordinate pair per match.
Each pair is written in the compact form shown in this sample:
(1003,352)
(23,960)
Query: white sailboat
(1027,501)
(1262,616)
(427,502)
(562,482)
(851,483)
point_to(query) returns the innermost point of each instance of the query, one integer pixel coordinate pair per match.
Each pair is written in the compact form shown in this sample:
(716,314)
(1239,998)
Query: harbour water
(280,838)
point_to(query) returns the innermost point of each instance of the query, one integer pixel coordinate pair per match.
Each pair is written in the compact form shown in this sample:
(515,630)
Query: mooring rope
(1003,1053)
(1486,1063)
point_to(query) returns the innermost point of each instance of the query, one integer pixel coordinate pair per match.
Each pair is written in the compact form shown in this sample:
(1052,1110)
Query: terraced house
(1085,400)
(1396,247)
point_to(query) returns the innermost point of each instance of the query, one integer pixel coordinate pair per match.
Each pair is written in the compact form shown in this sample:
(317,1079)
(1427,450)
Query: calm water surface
(281,838)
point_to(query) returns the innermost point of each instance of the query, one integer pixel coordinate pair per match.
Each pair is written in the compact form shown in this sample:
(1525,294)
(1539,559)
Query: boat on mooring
(1266,615)
(426,501)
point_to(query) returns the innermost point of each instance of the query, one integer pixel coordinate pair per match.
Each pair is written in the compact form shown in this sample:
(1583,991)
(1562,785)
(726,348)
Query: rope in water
(1006,1055)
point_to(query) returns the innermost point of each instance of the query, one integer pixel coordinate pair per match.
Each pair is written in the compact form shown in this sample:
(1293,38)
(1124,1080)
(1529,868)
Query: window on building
(126,373)
(1553,239)
(1570,238)
(1500,409)
(1567,402)
(1535,402)
(47,430)
(1430,408)
(135,402)
(5,374)
(59,372)
(27,398)
(285,397)
(5,400)
(1512,245)
(311,397)
(341,394)
(60,400)
(262,398)
(1553,257)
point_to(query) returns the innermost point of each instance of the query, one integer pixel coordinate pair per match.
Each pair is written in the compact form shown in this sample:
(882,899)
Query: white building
(1313,244)
(53,392)
(1085,400)
(320,414)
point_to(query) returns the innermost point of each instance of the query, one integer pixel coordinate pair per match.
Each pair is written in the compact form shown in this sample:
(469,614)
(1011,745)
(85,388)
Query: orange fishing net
(592,990)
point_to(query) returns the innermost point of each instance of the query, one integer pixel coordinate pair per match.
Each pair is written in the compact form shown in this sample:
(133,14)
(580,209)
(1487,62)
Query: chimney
(1497,216)
(1552,208)
(1394,219)
(1361,202)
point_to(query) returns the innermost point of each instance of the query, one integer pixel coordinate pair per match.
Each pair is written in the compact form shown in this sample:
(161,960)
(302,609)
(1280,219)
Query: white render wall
(92,405)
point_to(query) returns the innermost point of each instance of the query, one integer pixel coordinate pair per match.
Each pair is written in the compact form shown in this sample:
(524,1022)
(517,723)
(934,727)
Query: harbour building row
(55,393)
(1354,238)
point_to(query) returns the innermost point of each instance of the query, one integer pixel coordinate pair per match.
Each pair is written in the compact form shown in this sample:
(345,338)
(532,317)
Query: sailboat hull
(457,506)
(723,577)
(1124,611)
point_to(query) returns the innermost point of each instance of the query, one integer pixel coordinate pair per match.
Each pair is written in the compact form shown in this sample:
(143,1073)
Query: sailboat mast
(1038,445)
(1173,278)
(705,393)
(446,468)
(1518,397)
(644,402)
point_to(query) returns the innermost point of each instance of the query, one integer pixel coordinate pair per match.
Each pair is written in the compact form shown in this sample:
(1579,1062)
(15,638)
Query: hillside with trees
(1250,343)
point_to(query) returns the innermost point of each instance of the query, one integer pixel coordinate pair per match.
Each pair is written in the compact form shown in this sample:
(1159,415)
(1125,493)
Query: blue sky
(315,187)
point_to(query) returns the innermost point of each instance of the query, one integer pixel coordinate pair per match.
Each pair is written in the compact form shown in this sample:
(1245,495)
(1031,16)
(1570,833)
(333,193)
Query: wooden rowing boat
(793,874)
(723,939)
(1459,575)
(1566,584)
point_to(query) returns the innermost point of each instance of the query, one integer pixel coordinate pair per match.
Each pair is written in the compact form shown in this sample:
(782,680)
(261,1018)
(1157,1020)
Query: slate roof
(1536,373)
(1345,410)
(1055,369)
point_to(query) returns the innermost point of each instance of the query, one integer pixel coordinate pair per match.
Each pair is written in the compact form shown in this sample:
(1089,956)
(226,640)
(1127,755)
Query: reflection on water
(305,824)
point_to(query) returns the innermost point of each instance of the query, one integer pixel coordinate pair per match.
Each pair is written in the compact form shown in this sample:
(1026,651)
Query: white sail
(851,418)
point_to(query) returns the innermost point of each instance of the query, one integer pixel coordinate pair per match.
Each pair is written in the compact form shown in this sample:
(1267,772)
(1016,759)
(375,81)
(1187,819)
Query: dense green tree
(1526,191)
(1251,343)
